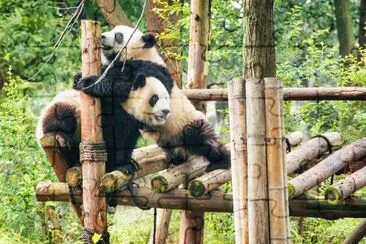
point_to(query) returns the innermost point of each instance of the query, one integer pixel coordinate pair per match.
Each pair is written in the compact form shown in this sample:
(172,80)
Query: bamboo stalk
(239,165)
(357,235)
(258,206)
(208,182)
(94,202)
(311,150)
(327,167)
(344,188)
(289,94)
(177,175)
(215,202)
(277,189)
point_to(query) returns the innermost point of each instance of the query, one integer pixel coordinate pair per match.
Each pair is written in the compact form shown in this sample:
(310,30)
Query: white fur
(138,105)
(134,49)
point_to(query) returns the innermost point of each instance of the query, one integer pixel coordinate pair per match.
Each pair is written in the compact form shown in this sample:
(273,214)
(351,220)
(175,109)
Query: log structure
(92,159)
(173,177)
(311,150)
(344,188)
(327,167)
(113,13)
(289,94)
(357,235)
(215,202)
(239,164)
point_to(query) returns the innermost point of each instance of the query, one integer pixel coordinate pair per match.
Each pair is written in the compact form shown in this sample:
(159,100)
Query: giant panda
(186,131)
(120,129)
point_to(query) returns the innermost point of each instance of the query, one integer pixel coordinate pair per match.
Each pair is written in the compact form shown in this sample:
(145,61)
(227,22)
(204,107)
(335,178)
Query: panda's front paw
(84,83)
(130,168)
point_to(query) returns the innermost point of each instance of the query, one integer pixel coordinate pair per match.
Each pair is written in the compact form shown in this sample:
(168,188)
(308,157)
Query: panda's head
(141,46)
(149,101)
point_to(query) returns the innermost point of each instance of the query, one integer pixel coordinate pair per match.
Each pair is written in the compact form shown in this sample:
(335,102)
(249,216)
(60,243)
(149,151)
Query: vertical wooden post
(277,188)
(192,222)
(93,160)
(259,62)
(237,114)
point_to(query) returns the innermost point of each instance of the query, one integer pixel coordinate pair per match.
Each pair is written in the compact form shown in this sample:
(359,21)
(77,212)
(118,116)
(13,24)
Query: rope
(90,237)
(155,218)
(94,152)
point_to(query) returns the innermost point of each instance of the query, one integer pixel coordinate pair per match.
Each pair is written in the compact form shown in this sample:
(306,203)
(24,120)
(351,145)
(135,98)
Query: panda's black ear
(149,40)
(140,81)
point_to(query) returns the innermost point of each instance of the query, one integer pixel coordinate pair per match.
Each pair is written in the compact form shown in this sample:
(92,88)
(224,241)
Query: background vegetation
(307,55)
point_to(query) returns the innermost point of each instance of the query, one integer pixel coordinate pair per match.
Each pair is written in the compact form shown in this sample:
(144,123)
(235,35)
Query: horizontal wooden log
(289,94)
(175,176)
(208,182)
(116,180)
(311,150)
(329,166)
(295,138)
(214,202)
(344,188)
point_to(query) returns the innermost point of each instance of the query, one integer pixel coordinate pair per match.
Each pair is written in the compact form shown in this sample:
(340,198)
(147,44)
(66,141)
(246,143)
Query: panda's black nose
(166,111)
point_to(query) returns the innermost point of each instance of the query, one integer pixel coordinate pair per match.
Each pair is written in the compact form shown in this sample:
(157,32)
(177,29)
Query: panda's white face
(141,46)
(149,103)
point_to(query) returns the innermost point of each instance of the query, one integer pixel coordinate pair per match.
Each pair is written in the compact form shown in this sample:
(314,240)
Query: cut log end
(74,177)
(159,184)
(196,188)
(47,141)
(113,181)
(332,195)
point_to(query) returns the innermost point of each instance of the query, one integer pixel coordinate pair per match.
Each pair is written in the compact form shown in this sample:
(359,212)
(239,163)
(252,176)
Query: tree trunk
(155,24)
(113,13)
(362,25)
(93,163)
(344,27)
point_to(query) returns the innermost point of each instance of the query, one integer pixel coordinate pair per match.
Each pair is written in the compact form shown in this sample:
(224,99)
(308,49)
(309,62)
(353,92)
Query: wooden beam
(289,94)
(214,202)
(113,13)
(94,201)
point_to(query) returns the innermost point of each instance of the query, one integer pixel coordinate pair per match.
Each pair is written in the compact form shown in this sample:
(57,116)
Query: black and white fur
(120,129)
(186,131)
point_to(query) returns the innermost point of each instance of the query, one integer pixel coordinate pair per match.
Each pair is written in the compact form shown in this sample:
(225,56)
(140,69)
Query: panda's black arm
(114,84)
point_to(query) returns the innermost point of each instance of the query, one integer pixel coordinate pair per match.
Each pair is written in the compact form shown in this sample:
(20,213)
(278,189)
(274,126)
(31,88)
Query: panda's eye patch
(118,37)
(153,100)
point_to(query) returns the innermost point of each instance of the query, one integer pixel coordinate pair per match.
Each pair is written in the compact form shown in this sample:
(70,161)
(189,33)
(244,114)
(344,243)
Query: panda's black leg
(173,157)
(129,168)
(68,148)
(200,139)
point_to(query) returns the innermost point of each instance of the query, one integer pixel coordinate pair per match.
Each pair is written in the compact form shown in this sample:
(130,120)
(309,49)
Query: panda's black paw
(130,168)
(218,165)
(77,78)
(84,83)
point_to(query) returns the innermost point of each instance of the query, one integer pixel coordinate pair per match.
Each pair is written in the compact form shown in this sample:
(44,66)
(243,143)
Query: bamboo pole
(289,94)
(357,235)
(239,172)
(208,182)
(344,188)
(258,206)
(327,167)
(177,175)
(215,202)
(94,202)
(311,150)
(277,186)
